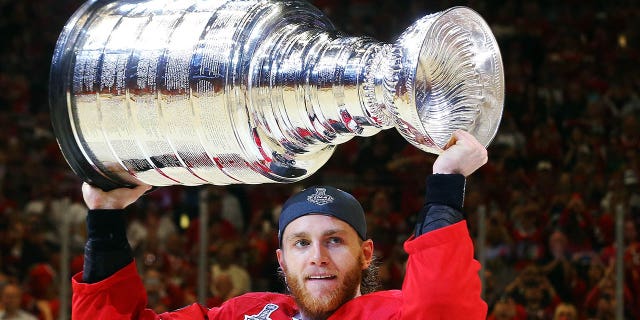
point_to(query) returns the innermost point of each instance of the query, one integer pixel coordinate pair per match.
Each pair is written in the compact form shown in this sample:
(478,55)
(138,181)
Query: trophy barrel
(156,92)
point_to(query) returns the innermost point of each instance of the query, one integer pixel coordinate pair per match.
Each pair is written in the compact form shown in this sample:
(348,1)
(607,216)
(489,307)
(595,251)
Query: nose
(319,254)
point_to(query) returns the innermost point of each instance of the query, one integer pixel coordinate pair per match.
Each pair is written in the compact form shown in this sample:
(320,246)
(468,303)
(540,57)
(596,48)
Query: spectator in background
(384,222)
(631,268)
(498,241)
(157,295)
(600,301)
(540,300)
(507,309)
(527,226)
(492,290)
(262,240)
(175,265)
(10,298)
(372,162)
(221,290)
(392,268)
(576,222)
(532,289)
(231,210)
(559,269)
(565,311)
(630,180)
(41,295)
(150,234)
(220,229)
(226,263)
(632,261)
(595,272)
(629,139)
(24,245)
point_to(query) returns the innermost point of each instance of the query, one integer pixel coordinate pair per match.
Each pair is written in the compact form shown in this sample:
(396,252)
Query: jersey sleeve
(442,279)
(121,296)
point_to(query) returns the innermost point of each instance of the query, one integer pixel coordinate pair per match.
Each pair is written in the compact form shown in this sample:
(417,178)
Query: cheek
(351,261)
(290,265)
(283,265)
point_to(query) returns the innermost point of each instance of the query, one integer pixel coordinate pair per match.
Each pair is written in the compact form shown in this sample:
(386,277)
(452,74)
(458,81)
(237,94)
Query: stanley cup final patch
(264,314)
(320,197)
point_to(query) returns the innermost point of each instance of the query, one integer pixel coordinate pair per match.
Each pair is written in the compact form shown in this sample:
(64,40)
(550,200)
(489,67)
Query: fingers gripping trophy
(257,91)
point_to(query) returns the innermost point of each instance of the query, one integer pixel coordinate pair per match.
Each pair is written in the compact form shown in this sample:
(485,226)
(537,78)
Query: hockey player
(323,252)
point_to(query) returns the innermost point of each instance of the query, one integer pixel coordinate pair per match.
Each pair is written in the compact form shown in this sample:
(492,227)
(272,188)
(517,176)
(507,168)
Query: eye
(335,240)
(301,243)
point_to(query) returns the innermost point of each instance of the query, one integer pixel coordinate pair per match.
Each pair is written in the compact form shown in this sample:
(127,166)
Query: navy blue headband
(327,201)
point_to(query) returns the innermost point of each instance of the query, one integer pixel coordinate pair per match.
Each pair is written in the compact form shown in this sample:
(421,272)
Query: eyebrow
(304,234)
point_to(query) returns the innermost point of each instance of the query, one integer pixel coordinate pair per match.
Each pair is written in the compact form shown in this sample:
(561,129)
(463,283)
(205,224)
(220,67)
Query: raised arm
(442,277)
(445,187)
(110,286)
(107,249)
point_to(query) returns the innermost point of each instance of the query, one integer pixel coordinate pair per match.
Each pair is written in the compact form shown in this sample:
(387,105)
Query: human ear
(280,257)
(367,252)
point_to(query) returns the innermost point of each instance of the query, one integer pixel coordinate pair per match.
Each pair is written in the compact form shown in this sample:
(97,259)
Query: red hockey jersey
(441,282)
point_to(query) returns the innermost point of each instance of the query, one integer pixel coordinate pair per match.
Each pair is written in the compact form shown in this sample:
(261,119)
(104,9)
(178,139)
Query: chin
(320,303)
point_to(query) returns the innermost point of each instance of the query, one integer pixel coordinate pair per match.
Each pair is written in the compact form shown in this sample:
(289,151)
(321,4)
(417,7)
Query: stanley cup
(169,92)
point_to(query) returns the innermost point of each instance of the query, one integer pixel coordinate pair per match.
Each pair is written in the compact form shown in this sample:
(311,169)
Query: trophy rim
(412,125)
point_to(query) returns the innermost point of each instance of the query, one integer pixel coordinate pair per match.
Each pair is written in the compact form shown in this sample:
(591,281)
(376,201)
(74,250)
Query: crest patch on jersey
(264,314)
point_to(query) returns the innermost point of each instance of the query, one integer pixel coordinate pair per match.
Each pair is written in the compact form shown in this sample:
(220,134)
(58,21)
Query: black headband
(326,201)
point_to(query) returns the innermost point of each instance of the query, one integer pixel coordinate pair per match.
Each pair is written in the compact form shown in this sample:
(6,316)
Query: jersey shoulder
(255,304)
(376,305)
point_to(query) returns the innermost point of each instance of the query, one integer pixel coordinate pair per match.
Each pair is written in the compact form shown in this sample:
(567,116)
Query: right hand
(120,198)
(463,154)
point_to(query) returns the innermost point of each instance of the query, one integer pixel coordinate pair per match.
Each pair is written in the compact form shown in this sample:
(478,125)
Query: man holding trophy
(163,92)
(323,253)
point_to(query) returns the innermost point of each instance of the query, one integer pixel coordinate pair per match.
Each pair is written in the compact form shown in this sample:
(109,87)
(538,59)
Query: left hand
(463,154)
(120,198)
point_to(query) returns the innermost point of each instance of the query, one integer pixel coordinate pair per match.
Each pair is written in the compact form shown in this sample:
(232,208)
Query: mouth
(321,277)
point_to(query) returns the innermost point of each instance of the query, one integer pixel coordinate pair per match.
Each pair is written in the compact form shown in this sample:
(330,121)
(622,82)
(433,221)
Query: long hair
(370,278)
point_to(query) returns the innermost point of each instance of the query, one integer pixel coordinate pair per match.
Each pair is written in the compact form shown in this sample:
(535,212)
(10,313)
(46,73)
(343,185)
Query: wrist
(107,249)
(104,205)
(446,189)
(440,169)
(106,224)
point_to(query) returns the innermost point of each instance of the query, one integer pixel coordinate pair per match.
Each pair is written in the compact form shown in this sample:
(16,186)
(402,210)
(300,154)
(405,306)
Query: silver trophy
(169,92)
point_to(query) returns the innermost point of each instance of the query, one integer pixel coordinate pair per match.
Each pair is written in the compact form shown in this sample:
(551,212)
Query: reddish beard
(320,308)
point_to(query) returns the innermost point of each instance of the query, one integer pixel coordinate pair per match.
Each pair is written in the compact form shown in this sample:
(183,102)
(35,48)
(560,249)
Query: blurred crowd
(564,164)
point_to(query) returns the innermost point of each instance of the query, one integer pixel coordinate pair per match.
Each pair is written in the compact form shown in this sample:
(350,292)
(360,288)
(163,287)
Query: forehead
(10,290)
(313,224)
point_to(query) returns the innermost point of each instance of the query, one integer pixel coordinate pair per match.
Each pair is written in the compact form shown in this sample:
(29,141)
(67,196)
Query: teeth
(320,277)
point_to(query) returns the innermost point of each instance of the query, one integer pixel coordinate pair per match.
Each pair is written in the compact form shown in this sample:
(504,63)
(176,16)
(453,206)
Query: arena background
(560,188)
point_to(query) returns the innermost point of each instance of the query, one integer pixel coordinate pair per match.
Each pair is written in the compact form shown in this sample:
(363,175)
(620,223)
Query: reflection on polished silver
(218,92)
